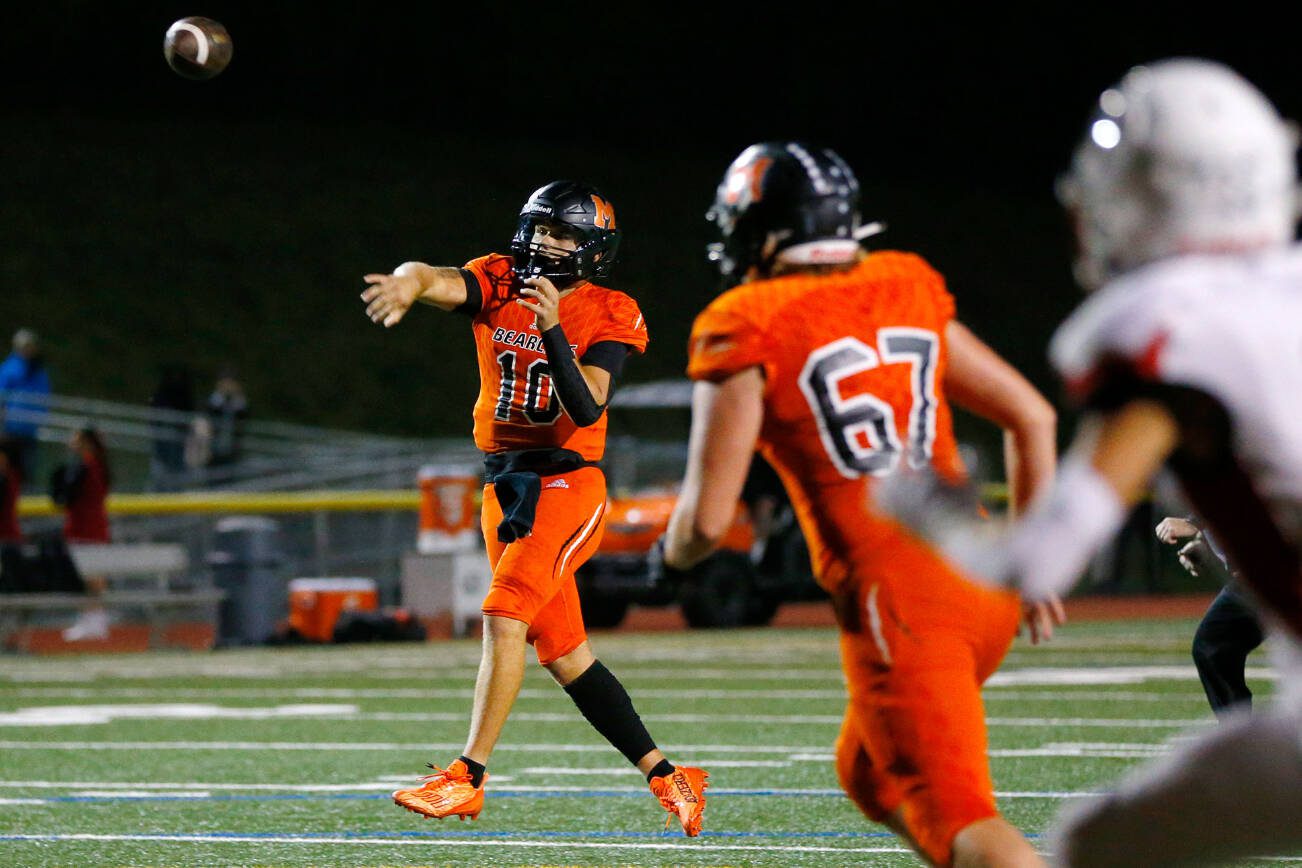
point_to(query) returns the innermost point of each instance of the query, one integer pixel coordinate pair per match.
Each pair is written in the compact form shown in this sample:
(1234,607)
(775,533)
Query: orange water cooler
(316,604)
(449,511)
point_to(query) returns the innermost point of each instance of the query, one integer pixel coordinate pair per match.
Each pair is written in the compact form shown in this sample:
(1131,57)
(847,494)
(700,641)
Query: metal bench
(125,566)
(16,609)
(161,562)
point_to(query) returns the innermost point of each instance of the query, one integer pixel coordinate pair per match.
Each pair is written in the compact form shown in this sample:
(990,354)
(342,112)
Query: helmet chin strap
(868,230)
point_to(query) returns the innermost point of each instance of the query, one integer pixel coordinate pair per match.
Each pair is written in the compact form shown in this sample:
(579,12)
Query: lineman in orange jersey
(838,364)
(551,344)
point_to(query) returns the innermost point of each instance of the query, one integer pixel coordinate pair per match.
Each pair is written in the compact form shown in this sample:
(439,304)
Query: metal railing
(274,456)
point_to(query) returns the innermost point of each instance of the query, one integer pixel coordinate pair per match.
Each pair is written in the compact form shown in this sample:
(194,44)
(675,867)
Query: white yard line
(82,715)
(114,789)
(145,793)
(85,714)
(570,717)
(1008,677)
(994,693)
(802,719)
(366,746)
(158,786)
(1098,722)
(623,771)
(1004,694)
(697,845)
(423,673)
(416,693)
(1098,675)
(1077,754)
(525,747)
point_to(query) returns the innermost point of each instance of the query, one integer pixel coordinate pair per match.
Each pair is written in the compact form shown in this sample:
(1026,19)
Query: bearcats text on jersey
(523,340)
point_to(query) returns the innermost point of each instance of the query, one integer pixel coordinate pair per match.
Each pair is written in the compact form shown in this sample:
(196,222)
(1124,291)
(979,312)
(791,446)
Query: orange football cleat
(445,793)
(683,795)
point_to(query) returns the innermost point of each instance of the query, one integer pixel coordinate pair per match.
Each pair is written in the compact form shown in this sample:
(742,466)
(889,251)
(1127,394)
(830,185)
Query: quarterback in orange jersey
(838,365)
(551,345)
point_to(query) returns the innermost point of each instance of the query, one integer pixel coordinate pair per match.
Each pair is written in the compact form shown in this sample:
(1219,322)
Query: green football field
(286,757)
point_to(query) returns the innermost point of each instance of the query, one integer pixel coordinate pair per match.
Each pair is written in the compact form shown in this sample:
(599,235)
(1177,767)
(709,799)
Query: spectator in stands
(81,487)
(1230,630)
(197,452)
(24,390)
(174,395)
(10,481)
(227,411)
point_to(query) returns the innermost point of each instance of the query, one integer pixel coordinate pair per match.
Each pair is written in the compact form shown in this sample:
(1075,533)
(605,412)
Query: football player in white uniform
(1189,354)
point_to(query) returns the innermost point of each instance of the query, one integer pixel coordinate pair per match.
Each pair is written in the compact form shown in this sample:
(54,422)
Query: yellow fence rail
(210,502)
(218,502)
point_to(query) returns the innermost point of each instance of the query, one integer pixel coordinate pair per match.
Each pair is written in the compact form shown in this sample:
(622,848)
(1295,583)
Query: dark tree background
(150,219)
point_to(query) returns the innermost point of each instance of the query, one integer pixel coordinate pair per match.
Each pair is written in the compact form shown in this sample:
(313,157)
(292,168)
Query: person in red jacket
(85,486)
(81,487)
(11,480)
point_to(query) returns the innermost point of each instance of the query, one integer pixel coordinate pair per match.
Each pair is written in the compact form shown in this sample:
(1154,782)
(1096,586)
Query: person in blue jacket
(24,387)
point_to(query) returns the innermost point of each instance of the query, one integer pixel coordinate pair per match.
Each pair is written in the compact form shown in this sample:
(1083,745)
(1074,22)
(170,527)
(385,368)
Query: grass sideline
(285,757)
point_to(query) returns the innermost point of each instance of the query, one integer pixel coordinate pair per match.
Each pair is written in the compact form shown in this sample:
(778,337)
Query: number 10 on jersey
(538,404)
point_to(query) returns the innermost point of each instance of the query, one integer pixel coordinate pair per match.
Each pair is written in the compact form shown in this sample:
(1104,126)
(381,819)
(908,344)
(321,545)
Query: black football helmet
(573,209)
(785,196)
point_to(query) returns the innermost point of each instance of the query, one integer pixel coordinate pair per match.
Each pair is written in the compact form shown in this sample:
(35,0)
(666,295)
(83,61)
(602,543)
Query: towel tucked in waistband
(516,480)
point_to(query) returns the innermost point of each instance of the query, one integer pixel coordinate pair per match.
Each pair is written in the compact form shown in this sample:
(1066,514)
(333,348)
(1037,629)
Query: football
(197,48)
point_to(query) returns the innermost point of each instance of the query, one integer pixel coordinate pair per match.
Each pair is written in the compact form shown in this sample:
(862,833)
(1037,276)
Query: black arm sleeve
(474,295)
(607,355)
(568,380)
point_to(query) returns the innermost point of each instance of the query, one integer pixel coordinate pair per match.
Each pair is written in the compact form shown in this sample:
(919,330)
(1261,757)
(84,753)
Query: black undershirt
(474,295)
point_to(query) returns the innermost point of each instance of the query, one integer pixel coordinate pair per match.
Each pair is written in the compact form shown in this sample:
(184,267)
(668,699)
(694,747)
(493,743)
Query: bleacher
(345,503)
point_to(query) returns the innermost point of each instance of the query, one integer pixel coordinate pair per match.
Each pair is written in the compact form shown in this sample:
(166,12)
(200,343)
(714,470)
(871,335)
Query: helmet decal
(605,216)
(784,196)
(747,180)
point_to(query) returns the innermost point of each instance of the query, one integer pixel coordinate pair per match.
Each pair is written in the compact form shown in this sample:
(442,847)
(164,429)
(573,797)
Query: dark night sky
(956,122)
(985,94)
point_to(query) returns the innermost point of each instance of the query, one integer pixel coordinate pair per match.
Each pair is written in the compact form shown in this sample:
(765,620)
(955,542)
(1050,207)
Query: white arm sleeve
(1047,551)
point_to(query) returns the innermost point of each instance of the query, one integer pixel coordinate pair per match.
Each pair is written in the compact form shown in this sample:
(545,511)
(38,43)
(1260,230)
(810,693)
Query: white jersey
(1229,326)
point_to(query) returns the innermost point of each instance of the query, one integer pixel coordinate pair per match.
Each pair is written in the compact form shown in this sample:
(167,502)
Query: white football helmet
(1182,156)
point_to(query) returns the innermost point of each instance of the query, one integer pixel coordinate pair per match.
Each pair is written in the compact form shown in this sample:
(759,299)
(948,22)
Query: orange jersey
(517,407)
(853,363)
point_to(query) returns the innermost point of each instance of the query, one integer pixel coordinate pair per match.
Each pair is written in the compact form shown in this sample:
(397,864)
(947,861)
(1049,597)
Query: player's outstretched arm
(1109,467)
(390,296)
(978,379)
(726,420)
(1042,554)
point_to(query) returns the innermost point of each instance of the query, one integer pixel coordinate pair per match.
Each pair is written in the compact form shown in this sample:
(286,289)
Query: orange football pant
(533,577)
(916,648)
